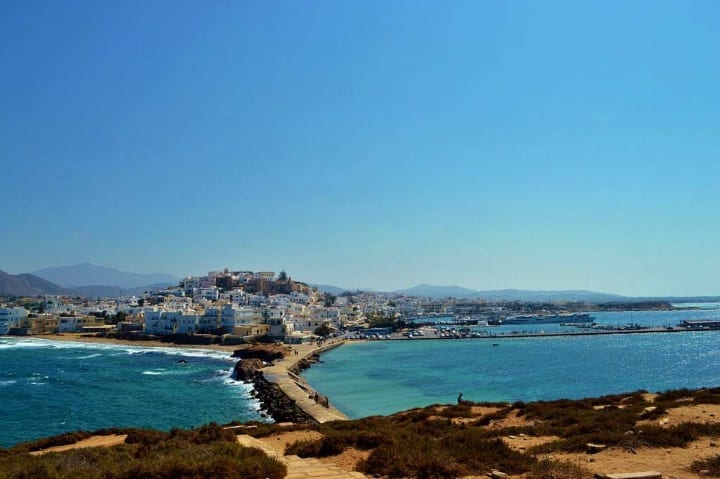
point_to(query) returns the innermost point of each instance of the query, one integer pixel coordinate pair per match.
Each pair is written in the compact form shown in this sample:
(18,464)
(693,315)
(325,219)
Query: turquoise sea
(383,377)
(51,387)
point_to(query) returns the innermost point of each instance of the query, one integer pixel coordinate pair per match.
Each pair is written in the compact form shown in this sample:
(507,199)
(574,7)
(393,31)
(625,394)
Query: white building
(9,318)
(266,275)
(238,296)
(209,293)
(279,328)
(300,298)
(75,324)
(170,322)
(307,324)
(233,316)
(208,322)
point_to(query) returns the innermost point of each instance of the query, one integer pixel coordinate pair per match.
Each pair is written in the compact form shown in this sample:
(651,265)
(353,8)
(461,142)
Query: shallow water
(382,377)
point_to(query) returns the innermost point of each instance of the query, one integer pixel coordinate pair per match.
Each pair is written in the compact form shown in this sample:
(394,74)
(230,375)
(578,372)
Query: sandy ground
(346,461)
(671,462)
(94,441)
(281,441)
(706,413)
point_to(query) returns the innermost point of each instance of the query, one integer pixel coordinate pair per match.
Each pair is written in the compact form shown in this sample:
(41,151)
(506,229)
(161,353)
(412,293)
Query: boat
(549,318)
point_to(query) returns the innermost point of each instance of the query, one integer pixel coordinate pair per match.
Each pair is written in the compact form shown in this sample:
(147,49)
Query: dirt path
(94,441)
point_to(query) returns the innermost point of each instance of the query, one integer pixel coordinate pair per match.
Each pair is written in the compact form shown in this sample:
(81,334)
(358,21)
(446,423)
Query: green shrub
(496,416)
(674,395)
(146,437)
(456,410)
(419,460)
(477,454)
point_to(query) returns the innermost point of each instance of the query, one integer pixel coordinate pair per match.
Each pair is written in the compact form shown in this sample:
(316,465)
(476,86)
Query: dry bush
(711,466)
(208,451)
(554,469)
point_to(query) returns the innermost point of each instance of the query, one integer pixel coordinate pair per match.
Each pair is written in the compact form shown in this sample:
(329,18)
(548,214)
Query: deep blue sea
(383,377)
(51,387)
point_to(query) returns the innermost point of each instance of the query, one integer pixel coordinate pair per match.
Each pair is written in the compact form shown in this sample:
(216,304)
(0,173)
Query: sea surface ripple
(383,377)
(52,387)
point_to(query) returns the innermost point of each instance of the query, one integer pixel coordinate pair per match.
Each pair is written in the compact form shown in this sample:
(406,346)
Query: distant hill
(326,288)
(82,275)
(115,291)
(430,291)
(542,296)
(27,285)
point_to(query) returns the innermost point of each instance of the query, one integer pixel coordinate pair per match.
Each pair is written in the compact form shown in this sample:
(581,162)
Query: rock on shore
(266,353)
(272,398)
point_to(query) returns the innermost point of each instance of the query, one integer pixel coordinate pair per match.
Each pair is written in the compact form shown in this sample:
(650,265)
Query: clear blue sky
(489,144)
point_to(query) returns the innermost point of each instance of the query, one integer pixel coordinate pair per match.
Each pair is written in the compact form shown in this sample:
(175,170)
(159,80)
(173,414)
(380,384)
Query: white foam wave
(7,383)
(153,373)
(23,343)
(90,356)
(244,387)
(119,349)
(38,379)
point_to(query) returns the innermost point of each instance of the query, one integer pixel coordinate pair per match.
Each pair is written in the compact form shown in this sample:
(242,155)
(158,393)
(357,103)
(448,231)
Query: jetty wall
(283,393)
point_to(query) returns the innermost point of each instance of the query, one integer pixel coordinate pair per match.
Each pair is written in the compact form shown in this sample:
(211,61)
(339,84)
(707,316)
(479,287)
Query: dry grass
(209,451)
(674,432)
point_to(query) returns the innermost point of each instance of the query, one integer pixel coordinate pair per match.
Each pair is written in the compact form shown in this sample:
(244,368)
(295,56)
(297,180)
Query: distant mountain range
(459,292)
(27,285)
(90,280)
(430,291)
(85,274)
(115,291)
(326,288)
(86,280)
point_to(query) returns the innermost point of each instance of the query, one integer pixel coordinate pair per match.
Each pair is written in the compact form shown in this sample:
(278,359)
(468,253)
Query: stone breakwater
(273,400)
(283,394)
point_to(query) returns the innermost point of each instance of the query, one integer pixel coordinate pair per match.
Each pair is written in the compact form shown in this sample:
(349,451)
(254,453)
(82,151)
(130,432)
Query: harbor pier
(297,389)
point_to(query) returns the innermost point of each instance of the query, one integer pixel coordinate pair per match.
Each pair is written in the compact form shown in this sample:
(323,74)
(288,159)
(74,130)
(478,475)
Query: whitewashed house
(10,317)
(208,322)
(234,316)
(170,322)
(75,324)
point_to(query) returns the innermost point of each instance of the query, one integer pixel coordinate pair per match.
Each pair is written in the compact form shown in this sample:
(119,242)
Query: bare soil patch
(347,460)
(94,441)
(671,462)
(280,442)
(524,442)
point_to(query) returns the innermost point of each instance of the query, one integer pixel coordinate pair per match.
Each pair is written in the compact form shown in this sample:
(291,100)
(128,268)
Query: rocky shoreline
(273,400)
